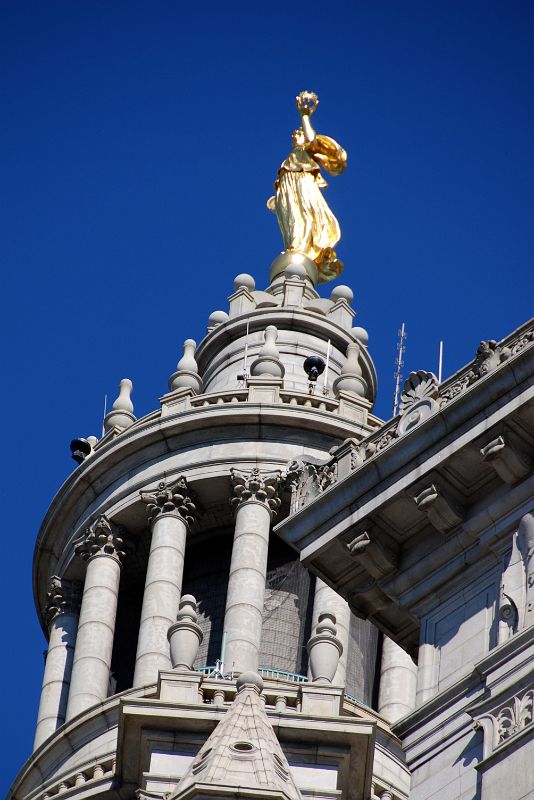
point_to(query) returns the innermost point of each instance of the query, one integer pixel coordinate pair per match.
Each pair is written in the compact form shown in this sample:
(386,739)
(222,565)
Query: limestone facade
(377,576)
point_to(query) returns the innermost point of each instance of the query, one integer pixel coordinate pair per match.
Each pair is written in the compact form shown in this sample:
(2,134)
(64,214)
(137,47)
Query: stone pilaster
(61,613)
(255,501)
(101,547)
(171,512)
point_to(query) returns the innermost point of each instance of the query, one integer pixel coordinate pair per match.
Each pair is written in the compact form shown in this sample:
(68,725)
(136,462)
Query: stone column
(101,548)
(62,610)
(171,513)
(398,678)
(328,601)
(255,502)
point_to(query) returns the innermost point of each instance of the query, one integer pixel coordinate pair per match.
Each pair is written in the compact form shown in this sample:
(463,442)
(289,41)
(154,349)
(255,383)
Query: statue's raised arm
(307,224)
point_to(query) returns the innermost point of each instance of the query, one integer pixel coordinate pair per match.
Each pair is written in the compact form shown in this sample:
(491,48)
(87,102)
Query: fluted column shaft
(328,601)
(62,616)
(398,678)
(255,504)
(94,643)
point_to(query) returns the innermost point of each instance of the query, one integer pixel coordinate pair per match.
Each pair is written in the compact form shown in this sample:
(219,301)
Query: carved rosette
(173,498)
(256,486)
(101,539)
(63,597)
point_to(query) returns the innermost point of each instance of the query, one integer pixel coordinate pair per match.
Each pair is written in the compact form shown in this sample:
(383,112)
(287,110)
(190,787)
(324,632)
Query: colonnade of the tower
(78,664)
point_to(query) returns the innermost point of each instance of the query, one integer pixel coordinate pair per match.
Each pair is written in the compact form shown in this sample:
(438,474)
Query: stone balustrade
(92,774)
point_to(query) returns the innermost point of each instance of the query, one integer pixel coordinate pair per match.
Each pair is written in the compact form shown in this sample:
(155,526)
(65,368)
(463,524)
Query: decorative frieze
(101,538)
(489,355)
(63,597)
(507,721)
(256,486)
(173,498)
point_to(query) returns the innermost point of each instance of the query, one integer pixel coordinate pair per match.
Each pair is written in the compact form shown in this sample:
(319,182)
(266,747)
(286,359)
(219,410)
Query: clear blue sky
(138,146)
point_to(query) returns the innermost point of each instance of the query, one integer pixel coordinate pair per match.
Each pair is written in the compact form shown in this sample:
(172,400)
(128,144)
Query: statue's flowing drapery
(305,219)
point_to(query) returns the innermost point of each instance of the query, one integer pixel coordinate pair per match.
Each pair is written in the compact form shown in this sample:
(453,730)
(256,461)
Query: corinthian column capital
(63,597)
(101,539)
(255,486)
(170,498)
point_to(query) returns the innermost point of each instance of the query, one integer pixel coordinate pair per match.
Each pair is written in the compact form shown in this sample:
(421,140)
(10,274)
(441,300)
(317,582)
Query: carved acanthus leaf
(262,487)
(101,538)
(63,597)
(173,498)
(307,479)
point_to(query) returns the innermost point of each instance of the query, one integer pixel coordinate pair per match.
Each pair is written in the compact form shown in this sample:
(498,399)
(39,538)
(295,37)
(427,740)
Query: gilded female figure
(306,222)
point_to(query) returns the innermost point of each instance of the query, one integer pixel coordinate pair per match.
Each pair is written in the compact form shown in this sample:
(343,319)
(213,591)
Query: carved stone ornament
(510,463)
(185,635)
(173,498)
(261,487)
(63,597)
(101,539)
(443,512)
(489,356)
(359,545)
(307,479)
(510,719)
(419,399)
(324,649)
(377,553)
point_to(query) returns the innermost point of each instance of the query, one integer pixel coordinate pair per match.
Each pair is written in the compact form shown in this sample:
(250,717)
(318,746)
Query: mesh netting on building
(361,661)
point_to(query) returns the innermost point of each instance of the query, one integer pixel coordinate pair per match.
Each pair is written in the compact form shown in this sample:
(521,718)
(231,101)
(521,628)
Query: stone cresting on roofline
(422,392)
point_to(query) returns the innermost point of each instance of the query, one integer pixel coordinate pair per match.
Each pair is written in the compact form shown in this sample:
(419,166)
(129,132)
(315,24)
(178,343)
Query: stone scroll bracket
(507,458)
(440,503)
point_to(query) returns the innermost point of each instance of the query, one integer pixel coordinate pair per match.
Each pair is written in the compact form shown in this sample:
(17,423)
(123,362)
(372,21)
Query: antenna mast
(399,363)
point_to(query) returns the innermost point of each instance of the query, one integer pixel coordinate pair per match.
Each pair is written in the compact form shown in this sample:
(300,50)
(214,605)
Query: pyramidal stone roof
(242,757)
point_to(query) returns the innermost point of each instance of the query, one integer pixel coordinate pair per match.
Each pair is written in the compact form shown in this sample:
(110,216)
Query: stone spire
(242,757)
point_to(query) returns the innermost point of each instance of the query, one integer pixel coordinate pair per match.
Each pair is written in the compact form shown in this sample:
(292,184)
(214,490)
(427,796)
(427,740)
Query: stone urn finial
(185,635)
(121,414)
(350,378)
(268,361)
(324,649)
(186,375)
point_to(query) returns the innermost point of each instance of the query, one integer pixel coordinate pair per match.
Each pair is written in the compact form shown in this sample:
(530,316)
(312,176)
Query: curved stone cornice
(101,539)
(196,440)
(256,487)
(170,498)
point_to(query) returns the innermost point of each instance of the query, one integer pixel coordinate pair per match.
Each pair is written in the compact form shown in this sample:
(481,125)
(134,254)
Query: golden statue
(307,224)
